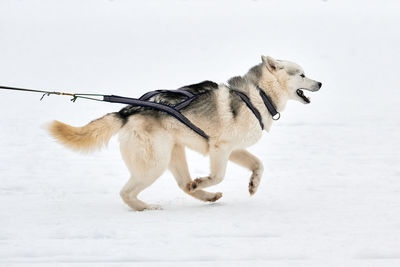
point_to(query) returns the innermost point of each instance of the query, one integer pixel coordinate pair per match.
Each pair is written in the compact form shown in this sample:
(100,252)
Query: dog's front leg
(179,168)
(218,161)
(251,162)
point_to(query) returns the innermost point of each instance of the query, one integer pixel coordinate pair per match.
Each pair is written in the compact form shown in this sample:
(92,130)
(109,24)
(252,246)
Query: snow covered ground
(330,195)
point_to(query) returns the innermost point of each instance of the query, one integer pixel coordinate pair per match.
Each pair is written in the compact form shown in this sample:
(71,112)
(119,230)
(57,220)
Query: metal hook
(275,118)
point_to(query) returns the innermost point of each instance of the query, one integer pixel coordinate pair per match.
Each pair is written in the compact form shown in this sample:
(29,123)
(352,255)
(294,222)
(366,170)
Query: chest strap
(253,109)
(267,102)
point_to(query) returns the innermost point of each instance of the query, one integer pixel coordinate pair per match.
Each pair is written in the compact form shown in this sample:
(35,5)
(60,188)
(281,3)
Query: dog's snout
(319,85)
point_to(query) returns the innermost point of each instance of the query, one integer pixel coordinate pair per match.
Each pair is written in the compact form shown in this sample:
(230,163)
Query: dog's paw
(146,207)
(253,185)
(255,181)
(192,186)
(217,196)
(153,207)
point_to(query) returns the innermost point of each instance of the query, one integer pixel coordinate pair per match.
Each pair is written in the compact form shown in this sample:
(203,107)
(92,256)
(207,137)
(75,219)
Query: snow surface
(330,195)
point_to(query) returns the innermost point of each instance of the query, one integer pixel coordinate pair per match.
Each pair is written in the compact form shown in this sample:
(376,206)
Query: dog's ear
(271,64)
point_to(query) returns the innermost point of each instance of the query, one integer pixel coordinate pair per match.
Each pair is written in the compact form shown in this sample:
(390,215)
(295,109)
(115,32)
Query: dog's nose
(319,85)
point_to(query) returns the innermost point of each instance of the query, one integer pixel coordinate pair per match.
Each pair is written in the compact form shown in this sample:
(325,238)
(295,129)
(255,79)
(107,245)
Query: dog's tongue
(301,94)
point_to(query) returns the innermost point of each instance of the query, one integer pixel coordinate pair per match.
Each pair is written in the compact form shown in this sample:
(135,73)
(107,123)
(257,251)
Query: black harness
(174,110)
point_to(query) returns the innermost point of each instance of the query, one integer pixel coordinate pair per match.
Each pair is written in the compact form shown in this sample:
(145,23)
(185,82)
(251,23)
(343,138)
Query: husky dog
(152,141)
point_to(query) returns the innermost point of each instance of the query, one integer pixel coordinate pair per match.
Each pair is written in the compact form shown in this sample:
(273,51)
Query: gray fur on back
(241,83)
(251,77)
(205,104)
(254,74)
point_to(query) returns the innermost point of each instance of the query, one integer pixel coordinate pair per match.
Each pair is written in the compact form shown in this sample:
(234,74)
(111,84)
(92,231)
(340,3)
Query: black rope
(26,90)
(48,93)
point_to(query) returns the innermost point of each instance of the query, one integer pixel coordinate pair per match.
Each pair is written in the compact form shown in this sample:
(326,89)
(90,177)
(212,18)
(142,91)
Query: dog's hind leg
(251,162)
(179,168)
(146,155)
(131,190)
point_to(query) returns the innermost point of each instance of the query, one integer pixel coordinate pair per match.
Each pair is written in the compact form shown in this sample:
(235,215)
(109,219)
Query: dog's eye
(302,75)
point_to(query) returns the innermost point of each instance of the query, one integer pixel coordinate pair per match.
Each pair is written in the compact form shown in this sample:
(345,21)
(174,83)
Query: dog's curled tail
(92,136)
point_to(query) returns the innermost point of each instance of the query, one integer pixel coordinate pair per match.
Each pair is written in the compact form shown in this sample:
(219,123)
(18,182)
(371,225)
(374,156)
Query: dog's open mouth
(301,94)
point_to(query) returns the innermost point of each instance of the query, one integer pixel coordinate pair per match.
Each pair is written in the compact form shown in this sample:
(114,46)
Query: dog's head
(291,76)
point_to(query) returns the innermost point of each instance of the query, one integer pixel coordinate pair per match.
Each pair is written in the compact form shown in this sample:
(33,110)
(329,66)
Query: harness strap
(190,96)
(253,109)
(150,94)
(269,104)
(168,109)
(183,104)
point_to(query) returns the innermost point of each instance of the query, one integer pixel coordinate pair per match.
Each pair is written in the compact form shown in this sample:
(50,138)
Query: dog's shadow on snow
(172,206)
